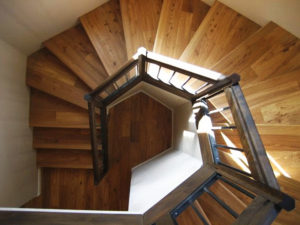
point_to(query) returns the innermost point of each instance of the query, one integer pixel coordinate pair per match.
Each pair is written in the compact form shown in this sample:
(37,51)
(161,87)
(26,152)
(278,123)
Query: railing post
(259,164)
(142,65)
(104,138)
(94,143)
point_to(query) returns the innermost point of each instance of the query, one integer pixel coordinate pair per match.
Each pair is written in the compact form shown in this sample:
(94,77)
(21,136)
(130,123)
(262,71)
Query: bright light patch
(189,134)
(205,125)
(237,156)
(281,170)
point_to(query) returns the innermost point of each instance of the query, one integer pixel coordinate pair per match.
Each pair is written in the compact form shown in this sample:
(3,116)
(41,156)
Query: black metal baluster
(228,147)
(199,214)
(223,204)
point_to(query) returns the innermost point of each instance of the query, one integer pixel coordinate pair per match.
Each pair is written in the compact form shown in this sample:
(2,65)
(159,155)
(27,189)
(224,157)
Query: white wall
(153,180)
(185,134)
(283,12)
(25,24)
(18,173)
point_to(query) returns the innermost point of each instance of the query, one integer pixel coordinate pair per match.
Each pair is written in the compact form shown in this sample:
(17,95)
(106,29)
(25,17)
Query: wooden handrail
(283,200)
(178,194)
(228,81)
(184,68)
(260,212)
(118,74)
(9,216)
(255,152)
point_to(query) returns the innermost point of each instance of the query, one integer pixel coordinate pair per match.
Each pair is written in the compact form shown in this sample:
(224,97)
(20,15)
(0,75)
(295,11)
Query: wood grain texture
(179,20)
(140,21)
(48,111)
(215,212)
(61,158)
(61,138)
(189,217)
(140,128)
(220,32)
(105,30)
(256,54)
(75,50)
(269,65)
(68,217)
(46,73)
(75,189)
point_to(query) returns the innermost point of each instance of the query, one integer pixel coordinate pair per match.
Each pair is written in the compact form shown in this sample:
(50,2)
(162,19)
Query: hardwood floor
(138,129)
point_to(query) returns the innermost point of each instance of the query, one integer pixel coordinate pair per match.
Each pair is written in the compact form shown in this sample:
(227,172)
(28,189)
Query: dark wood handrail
(253,147)
(265,184)
(228,81)
(111,79)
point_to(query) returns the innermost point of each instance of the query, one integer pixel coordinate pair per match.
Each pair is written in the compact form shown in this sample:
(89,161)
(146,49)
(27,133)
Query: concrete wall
(18,173)
(283,12)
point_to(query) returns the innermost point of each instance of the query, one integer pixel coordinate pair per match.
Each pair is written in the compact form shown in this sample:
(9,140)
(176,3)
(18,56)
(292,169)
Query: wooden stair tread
(58,158)
(140,21)
(215,212)
(257,54)
(48,111)
(105,30)
(46,73)
(75,50)
(61,138)
(220,32)
(179,20)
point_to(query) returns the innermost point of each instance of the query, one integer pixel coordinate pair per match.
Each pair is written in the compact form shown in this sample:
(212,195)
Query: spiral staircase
(76,61)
